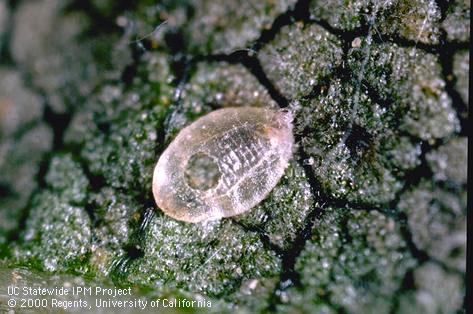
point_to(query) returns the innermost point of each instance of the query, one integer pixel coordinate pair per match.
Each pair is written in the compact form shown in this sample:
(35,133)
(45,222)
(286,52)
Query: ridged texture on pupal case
(223,164)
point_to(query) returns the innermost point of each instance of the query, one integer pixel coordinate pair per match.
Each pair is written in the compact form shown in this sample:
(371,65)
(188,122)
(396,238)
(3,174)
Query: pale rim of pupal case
(224,163)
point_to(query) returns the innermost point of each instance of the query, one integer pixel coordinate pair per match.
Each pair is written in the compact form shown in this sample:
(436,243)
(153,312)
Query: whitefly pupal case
(223,164)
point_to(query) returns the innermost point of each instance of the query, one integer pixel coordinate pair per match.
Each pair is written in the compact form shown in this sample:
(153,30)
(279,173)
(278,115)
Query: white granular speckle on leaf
(287,63)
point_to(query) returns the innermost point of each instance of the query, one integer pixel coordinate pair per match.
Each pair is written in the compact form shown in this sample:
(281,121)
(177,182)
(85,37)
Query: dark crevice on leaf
(407,285)
(443,5)
(130,70)
(262,235)
(446,54)
(289,276)
(58,122)
(101,23)
(5,39)
(249,61)
(300,12)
